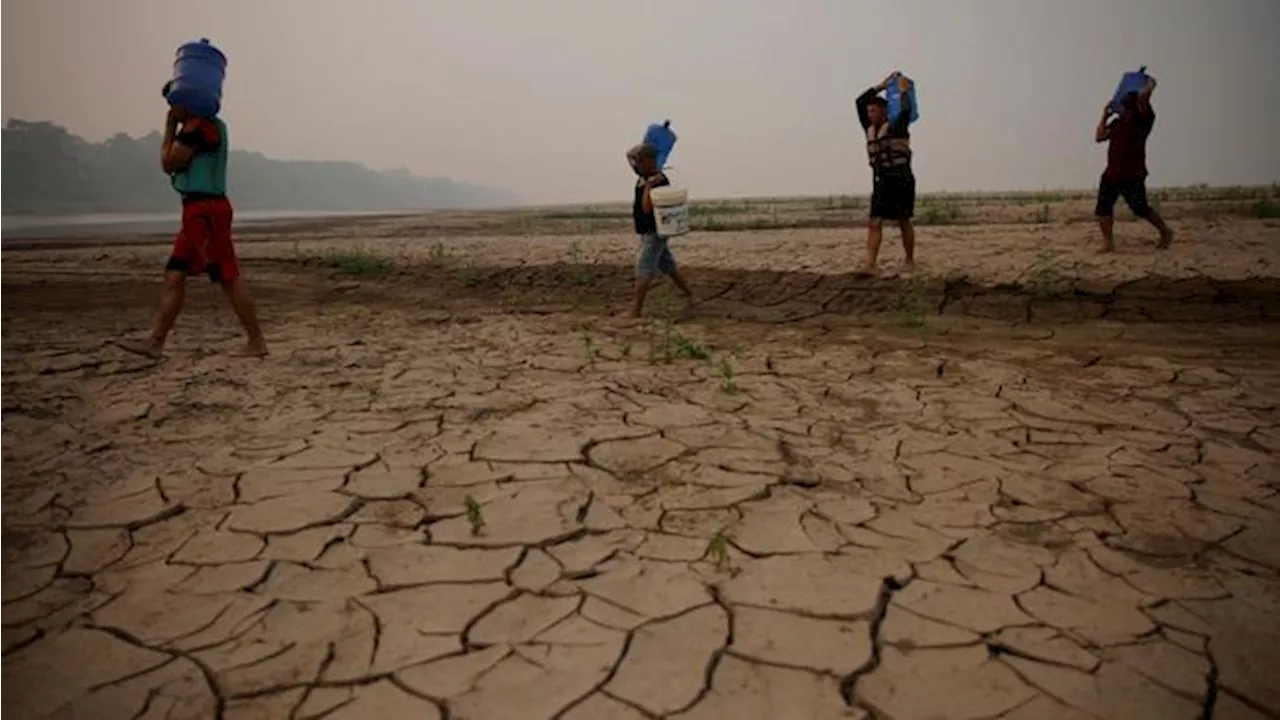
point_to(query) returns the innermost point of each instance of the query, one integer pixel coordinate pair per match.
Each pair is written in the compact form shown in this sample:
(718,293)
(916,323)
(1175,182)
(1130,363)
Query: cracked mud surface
(425,505)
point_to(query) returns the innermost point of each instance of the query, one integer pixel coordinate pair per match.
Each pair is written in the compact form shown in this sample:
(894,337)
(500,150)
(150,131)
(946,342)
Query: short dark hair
(647,150)
(878,101)
(164,91)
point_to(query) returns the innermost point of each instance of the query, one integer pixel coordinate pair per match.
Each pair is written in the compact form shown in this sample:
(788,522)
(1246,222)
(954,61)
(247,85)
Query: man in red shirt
(1126,173)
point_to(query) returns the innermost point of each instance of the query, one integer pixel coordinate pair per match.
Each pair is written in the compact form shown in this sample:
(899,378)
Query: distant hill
(47,170)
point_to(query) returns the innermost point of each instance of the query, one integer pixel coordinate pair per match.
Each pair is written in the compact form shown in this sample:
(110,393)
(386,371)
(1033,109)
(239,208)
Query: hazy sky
(544,96)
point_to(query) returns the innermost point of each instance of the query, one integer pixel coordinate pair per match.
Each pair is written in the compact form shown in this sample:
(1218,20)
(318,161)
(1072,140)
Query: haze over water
(542,98)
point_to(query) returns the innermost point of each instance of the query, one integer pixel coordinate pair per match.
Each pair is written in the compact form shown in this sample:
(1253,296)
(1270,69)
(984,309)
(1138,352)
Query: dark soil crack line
(888,587)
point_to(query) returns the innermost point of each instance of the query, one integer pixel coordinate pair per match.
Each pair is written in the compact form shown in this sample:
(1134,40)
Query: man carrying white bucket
(655,258)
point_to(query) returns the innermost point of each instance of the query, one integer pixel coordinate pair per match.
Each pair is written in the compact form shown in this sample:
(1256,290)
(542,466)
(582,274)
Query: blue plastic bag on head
(894,97)
(1130,82)
(663,138)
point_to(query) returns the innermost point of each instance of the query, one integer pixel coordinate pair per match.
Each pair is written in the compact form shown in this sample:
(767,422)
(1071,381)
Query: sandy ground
(1029,482)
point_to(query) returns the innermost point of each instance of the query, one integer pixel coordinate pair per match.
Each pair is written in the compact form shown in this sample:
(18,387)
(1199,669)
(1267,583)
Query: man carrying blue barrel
(893,190)
(1126,134)
(194,154)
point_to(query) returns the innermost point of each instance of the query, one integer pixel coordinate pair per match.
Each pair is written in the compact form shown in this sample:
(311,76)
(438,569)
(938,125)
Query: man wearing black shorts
(893,191)
(1126,173)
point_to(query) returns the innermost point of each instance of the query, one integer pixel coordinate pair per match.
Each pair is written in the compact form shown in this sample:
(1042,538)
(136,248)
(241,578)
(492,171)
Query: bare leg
(683,287)
(1106,223)
(1166,234)
(908,241)
(171,298)
(642,289)
(875,233)
(242,304)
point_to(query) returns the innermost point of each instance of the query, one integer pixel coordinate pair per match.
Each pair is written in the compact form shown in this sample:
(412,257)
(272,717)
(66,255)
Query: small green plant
(1266,209)
(475,516)
(709,223)
(625,351)
(718,550)
(1042,216)
(471,274)
(350,262)
(1044,281)
(662,342)
(686,348)
(911,304)
(588,346)
(939,215)
(579,272)
(768,364)
(438,255)
(728,385)
(661,346)
(843,202)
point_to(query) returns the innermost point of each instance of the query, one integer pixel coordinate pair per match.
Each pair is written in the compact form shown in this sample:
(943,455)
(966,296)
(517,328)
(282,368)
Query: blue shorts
(655,258)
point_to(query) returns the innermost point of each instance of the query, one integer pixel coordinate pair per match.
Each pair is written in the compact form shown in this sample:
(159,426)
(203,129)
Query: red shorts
(203,245)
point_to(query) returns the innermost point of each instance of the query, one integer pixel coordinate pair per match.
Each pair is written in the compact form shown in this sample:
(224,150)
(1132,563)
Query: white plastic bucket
(670,210)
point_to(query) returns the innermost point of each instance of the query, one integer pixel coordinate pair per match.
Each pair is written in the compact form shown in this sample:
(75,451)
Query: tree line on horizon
(48,170)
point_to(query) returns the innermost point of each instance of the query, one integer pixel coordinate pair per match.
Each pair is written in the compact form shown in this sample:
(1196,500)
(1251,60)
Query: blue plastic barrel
(663,138)
(1130,82)
(198,73)
(894,97)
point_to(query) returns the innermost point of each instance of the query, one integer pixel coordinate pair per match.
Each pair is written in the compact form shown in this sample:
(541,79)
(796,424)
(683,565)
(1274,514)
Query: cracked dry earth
(987,521)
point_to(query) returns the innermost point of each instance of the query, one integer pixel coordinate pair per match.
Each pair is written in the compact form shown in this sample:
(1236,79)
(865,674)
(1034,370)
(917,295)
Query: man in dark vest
(893,189)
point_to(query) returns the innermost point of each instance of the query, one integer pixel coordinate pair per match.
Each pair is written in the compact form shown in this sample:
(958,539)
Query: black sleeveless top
(646,224)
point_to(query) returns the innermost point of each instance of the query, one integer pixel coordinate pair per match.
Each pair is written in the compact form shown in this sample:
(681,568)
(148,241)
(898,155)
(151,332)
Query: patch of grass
(1044,280)
(721,208)
(438,256)
(470,274)
(728,384)
(939,215)
(588,346)
(912,305)
(662,344)
(585,214)
(707,223)
(579,271)
(349,262)
(1042,215)
(718,550)
(1267,209)
(625,351)
(686,348)
(475,515)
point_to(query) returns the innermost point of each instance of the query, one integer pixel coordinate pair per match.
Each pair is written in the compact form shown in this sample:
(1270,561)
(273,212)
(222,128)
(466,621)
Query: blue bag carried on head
(1130,82)
(894,97)
(663,138)
(198,73)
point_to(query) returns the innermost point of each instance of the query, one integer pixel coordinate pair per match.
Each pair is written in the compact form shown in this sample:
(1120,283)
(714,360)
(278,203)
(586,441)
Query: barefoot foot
(146,348)
(625,318)
(251,350)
